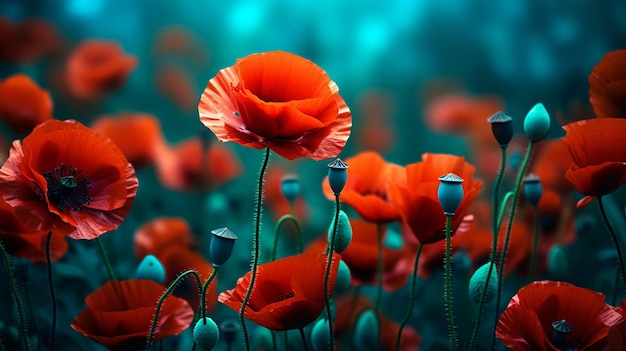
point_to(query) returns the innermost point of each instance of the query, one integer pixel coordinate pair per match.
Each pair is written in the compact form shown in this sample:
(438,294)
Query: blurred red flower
(23,104)
(98,67)
(54,182)
(288,293)
(458,113)
(527,323)
(28,40)
(607,90)
(280,101)
(119,314)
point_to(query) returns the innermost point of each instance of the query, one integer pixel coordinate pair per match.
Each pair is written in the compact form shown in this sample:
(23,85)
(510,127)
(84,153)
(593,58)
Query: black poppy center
(564,338)
(68,187)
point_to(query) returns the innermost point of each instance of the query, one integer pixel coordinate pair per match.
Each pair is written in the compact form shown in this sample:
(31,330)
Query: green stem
(256,246)
(16,297)
(306,345)
(281,220)
(330,250)
(32,314)
(379,273)
(409,311)
(168,291)
(105,258)
(533,254)
(614,237)
(52,294)
(448,287)
(516,191)
(203,294)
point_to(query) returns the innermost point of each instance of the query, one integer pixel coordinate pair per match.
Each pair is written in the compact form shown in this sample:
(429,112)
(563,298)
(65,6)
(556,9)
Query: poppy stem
(409,310)
(32,314)
(614,237)
(256,245)
(515,193)
(52,294)
(16,297)
(379,275)
(168,291)
(203,294)
(533,254)
(105,258)
(306,345)
(448,287)
(330,250)
(281,220)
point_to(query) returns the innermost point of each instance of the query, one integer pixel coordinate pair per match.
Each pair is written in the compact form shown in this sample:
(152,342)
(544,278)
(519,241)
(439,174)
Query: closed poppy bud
(366,331)
(515,160)
(450,193)
(342,284)
(151,268)
(290,187)
(319,335)
(537,123)
(221,246)
(532,189)
(502,128)
(229,330)
(337,175)
(343,235)
(477,283)
(557,261)
(206,334)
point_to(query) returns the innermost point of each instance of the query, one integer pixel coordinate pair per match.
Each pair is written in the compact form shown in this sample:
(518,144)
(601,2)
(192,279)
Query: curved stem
(281,220)
(168,291)
(329,260)
(203,294)
(16,297)
(105,258)
(409,311)
(515,192)
(614,237)
(256,246)
(52,294)
(533,254)
(306,345)
(379,273)
(448,287)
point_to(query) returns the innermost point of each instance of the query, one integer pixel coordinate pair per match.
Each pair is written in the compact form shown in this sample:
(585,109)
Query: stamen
(67,187)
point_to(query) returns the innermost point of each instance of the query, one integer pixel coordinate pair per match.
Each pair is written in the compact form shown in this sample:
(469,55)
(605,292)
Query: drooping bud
(532,189)
(537,123)
(337,175)
(343,235)
(502,128)
(367,331)
(151,268)
(221,246)
(450,193)
(478,280)
(342,282)
(291,187)
(206,334)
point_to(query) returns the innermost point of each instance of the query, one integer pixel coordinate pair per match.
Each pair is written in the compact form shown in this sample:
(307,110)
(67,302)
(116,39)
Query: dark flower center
(284,297)
(67,187)
(564,338)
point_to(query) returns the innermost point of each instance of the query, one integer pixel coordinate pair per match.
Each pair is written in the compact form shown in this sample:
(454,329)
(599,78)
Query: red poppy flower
(377,130)
(54,182)
(527,323)
(417,198)
(551,161)
(22,241)
(280,101)
(119,314)
(23,104)
(366,190)
(161,234)
(138,135)
(98,67)
(178,86)
(288,293)
(607,90)
(28,40)
(597,149)
(187,166)
(453,113)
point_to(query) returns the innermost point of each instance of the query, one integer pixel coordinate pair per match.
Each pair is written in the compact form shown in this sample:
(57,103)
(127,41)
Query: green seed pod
(367,332)
(557,261)
(319,335)
(343,236)
(477,283)
(206,333)
(342,283)
(537,123)
(151,268)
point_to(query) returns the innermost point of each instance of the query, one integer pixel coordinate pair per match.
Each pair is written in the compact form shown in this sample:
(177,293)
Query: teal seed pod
(337,175)
(532,189)
(229,329)
(502,128)
(537,123)
(319,335)
(151,268)
(343,236)
(515,160)
(477,283)
(221,246)
(342,283)
(393,239)
(290,187)
(450,193)
(366,331)
(557,261)
(206,334)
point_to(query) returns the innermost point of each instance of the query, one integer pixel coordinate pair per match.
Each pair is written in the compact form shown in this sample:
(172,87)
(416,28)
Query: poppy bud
(151,268)
(221,246)
(450,193)
(502,128)
(343,235)
(291,187)
(557,261)
(366,331)
(515,160)
(532,189)
(229,330)
(206,334)
(537,123)
(477,283)
(319,335)
(342,282)
(337,175)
